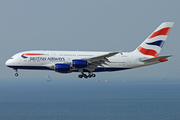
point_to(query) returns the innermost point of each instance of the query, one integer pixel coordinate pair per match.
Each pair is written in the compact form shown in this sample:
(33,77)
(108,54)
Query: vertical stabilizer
(153,44)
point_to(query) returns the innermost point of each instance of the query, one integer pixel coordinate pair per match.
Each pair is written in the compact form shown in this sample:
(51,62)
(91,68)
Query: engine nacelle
(79,63)
(60,67)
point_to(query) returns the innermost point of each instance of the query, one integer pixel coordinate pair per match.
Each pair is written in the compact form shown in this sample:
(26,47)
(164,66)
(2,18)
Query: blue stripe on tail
(159,43)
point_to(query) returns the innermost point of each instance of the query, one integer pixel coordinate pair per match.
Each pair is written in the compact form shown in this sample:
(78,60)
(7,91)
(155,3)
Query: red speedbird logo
(30,54)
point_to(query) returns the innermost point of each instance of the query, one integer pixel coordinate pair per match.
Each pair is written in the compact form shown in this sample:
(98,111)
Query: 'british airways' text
(47,59)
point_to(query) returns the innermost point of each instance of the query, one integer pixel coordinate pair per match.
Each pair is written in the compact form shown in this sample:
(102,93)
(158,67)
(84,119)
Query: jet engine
(79,63)
(63,68)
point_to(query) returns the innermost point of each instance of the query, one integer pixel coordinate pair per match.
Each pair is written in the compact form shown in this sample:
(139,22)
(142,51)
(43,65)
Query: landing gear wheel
(16,74)
(80,76)
(89,76)
(93,75)
(85,76)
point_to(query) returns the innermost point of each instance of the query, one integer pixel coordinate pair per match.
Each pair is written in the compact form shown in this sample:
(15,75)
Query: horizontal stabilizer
(160,58)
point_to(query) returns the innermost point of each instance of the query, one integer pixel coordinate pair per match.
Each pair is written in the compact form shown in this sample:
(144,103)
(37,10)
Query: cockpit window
(12,58)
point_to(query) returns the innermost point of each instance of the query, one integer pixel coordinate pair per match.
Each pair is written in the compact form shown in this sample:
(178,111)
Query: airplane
(147,53)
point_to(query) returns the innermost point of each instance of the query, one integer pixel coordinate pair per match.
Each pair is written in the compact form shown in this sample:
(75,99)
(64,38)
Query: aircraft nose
(8,62)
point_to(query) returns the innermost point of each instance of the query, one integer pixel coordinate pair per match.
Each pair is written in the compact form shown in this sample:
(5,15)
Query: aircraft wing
(94,62)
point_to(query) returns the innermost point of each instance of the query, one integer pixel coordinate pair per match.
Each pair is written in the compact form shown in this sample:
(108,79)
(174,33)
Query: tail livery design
(82,61)
(153,44)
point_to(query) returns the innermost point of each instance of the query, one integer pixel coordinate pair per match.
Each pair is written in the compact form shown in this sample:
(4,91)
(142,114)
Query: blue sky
(94,25)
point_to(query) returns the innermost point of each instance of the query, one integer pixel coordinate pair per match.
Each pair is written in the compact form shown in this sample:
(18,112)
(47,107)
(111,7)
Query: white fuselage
(48,59)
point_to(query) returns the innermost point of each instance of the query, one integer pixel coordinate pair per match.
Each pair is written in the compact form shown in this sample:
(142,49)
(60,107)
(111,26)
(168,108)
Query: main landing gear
(86,76)
(16,74)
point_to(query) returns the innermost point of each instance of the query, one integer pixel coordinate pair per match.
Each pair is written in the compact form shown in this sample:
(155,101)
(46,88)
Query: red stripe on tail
(148,51)
(164,31)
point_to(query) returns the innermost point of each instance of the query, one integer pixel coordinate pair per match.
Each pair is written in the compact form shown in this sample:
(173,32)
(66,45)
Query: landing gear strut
(86,76)
(16,74)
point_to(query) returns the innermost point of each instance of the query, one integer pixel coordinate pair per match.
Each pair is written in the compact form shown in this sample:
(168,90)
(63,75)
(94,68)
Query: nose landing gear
(16,74)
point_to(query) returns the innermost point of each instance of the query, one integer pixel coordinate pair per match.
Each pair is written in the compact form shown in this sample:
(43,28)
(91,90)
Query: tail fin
(153,44)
